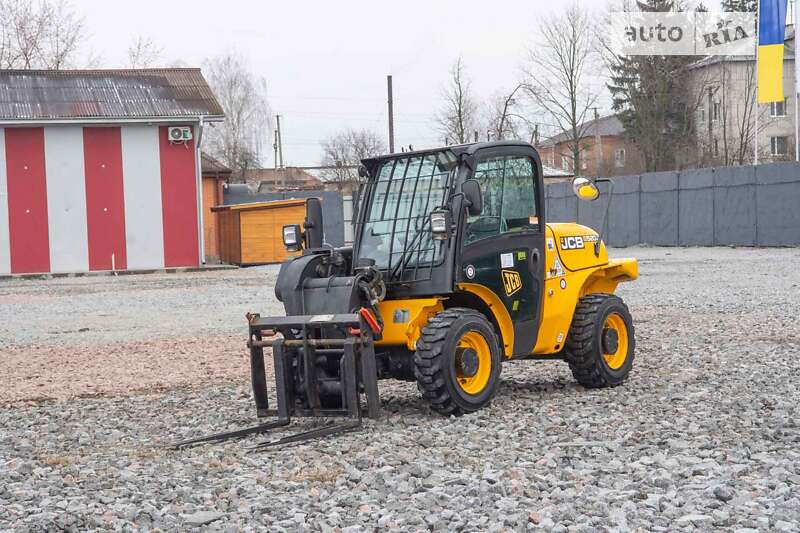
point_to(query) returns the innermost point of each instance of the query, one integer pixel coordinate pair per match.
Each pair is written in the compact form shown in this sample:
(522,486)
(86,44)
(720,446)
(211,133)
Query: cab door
(503,247)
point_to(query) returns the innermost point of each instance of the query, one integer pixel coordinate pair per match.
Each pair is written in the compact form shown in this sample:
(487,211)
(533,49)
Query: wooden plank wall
(230,250)
(261,230)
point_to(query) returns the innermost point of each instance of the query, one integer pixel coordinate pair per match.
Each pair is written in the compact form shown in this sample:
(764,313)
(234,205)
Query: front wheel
(457,362)
(600,345)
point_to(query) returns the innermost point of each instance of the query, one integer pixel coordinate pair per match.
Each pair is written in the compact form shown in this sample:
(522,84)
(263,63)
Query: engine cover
(575,245)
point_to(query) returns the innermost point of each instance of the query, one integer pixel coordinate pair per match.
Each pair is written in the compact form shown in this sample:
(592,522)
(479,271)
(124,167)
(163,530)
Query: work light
(291,237)
(440,225)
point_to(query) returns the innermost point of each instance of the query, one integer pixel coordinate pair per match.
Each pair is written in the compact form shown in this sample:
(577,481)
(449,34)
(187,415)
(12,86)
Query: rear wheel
(600,346)
(457,363)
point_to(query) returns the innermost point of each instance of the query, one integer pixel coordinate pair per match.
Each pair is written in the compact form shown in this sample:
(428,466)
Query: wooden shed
(251,234)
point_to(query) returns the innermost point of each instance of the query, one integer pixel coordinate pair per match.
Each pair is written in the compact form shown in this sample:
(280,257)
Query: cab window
(509,198)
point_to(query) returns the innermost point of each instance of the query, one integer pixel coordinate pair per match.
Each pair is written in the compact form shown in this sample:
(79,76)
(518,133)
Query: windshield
(396,232)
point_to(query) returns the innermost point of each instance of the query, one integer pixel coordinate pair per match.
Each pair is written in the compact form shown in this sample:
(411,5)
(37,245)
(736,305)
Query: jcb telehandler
(453,271)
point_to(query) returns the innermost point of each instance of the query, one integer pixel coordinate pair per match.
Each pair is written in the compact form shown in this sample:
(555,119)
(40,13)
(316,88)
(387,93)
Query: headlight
(291,237)
(440,225)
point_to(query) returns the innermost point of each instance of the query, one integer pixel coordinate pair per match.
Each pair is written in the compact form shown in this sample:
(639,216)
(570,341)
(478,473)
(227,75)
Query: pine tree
(654,101)
(739,5)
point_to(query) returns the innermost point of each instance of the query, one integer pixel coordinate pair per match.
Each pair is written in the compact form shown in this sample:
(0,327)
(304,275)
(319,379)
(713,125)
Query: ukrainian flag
(771,36)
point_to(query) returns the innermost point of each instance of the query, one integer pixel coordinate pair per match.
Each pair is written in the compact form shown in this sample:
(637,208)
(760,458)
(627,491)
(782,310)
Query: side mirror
(472,192)
(292,237)
(585,189)
(363,172)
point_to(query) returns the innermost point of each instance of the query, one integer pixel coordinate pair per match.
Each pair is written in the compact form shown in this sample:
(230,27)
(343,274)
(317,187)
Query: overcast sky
(326,62)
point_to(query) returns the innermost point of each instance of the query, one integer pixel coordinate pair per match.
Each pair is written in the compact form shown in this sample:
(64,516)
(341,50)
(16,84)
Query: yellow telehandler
(453,271)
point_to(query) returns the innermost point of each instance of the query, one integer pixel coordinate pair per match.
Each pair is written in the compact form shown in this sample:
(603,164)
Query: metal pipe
(299,342)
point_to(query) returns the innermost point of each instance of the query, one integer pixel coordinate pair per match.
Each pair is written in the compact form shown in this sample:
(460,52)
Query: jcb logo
(512,281)
(571,243)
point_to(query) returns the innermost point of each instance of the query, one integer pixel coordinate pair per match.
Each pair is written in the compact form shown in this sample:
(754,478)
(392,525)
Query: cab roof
(457,150)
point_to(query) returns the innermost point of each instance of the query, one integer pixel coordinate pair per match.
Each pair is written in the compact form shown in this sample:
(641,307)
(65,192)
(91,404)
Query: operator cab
(435,220)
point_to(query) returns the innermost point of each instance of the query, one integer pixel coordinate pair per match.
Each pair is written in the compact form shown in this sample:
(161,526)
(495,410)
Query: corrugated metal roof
(105,94)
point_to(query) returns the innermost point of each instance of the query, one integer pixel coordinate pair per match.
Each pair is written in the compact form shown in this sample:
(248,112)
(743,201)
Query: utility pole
(598,143)
(391,114)
(279,140)
(711,123)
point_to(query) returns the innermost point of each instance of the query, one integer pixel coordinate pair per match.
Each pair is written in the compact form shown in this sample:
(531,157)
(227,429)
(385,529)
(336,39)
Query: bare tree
(738,117)
(458,117)
(726,137)
(343,153)
(557,74)
(44,34)
(238,142)
(505,120)
(143,53)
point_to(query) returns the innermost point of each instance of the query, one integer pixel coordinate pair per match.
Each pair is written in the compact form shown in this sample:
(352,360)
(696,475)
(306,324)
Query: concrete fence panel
(778,204)
(739,206)
(623,218)
(696,207)
(735,206)
(562,205)
(659,209)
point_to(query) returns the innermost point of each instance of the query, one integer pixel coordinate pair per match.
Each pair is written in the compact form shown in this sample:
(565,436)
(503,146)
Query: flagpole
(796,87)
(755,133)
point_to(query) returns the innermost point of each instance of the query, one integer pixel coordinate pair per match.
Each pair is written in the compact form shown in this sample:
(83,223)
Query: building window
(716,112)
(584,161)
(565,162)
(777,109)
(779,145)
(619,158)
(702,114)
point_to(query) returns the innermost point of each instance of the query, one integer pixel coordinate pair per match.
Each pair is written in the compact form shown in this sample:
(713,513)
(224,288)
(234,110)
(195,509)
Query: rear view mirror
(585,189)
(474,197)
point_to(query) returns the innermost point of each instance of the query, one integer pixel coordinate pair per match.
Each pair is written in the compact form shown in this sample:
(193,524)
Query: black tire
(588,341)
(435,361)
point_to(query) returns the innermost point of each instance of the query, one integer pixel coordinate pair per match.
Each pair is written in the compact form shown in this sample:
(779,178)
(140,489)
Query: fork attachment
(322,365)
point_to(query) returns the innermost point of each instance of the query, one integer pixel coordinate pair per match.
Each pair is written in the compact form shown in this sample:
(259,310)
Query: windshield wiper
(404,256)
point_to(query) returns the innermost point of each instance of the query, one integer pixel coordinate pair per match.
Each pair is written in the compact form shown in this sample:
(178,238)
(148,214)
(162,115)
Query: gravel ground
(69,337)
(704,436)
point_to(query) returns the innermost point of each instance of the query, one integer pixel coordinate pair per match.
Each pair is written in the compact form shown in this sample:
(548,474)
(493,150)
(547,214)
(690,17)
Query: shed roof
(211,165)
(259,205)
(552,172)
(44,95)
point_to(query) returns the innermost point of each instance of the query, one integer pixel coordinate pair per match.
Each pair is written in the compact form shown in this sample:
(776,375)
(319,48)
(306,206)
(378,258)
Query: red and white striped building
(90,179)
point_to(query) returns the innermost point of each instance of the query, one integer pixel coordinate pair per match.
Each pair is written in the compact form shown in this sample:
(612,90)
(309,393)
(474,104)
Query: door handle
(534,256)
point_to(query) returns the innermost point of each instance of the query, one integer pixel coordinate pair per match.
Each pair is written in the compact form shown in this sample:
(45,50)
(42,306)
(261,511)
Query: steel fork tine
(308,435)
(237,434)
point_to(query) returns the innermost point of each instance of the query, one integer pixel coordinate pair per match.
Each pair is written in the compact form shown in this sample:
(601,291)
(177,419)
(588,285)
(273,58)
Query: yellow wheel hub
(615,353)
(473,363)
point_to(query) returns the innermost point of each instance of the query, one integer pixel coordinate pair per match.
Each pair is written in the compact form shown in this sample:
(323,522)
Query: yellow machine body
(570,274)
(572,271)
